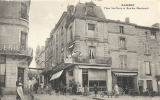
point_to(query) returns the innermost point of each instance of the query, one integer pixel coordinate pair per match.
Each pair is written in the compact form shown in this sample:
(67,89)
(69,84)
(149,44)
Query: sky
(44,14)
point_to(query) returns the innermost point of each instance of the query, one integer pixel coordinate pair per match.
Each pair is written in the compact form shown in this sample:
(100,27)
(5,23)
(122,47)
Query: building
(82,32)
(48,59)
(148,57)
(40,62)
(122,40)
(15,54)
(90,49)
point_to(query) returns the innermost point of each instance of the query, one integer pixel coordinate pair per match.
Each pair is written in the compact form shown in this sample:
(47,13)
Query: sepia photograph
(79,49)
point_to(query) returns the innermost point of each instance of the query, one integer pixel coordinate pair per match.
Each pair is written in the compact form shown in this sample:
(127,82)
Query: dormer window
(90,11)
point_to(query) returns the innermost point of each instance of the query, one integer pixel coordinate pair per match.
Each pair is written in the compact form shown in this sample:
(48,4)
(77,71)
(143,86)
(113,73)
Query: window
(147,48)
(62,46)
(147,68)
(24,11)
(90,11)
(92,51)
(123,61)
(122,43)
(71,34)
(62,31)
(121,29)
(91,27)
(146,34)
(71,73)
(23,40)
(2,75)
(153,35)
(56,37)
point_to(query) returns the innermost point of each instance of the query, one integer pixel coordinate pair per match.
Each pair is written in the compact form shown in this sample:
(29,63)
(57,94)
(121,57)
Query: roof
(82,8)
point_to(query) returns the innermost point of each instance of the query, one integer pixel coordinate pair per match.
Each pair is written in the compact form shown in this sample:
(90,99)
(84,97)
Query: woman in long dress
(30,89)
(19,89)
(116,89)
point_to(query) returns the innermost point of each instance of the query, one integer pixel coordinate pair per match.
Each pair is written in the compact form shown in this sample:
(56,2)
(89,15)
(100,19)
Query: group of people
(32,87)
(116,90)
(74,87)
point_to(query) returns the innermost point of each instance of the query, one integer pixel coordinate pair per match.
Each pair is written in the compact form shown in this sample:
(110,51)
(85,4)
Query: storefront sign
(14,48)
(68,60)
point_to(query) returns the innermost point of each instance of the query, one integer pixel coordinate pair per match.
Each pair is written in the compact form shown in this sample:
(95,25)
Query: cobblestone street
(77,97)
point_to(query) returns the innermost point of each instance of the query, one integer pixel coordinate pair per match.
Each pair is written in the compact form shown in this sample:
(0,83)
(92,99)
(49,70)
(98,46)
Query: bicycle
(107,94)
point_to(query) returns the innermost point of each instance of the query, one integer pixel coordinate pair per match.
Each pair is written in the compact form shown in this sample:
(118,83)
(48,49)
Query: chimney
(127,20)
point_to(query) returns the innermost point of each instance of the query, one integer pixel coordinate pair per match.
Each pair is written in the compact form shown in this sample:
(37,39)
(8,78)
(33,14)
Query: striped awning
(125,74)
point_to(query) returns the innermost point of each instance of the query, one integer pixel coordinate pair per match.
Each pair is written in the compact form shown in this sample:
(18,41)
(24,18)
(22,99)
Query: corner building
(91,49)
(15,55)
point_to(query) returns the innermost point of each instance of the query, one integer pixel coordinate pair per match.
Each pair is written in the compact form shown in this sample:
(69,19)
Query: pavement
(78,97)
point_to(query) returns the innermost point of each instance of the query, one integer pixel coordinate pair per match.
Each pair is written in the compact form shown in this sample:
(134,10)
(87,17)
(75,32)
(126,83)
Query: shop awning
(125,74)
(56,75)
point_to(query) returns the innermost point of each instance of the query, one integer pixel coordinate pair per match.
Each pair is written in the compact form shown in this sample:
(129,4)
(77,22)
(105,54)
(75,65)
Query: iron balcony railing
(96,60)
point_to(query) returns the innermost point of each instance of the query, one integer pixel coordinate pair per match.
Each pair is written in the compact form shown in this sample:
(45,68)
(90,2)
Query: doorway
(21,74)
(125,83)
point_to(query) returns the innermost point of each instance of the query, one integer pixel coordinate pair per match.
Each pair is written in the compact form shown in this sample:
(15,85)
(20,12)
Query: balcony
(97,60)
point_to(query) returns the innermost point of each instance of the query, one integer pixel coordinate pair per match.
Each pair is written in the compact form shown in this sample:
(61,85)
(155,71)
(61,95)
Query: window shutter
(86,28)
(125,61)
(147,67)
(121,61)
(145,48)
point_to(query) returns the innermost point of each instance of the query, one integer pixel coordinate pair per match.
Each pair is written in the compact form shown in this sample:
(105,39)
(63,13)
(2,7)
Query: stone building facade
(15,55)
(40,62)
(148,57)
(90,49)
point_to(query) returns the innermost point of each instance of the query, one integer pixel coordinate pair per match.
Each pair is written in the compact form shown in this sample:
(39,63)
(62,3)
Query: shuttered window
(147,68)
(123,61)
(92,52)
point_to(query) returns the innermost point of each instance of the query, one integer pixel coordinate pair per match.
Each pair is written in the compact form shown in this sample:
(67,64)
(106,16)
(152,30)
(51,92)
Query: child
(57,90)
(47,90)
(42,85)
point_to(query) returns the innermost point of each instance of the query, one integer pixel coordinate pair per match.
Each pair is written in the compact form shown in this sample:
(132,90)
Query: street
(78,97)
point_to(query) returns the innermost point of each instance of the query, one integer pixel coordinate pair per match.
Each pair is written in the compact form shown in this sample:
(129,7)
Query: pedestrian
(19,89)
(85,90)
(42,86)
(116,89)
(49,88)
(57,90)
(64,90)
(30,89)
(95,90)
(36,87)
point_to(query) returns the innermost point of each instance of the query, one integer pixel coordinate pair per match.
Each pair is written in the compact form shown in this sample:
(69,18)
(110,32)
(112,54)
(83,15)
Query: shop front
(158,83)
(125,81)
(87,76)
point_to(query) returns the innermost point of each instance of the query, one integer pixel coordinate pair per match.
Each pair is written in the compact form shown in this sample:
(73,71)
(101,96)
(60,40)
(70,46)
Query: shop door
(21,74)
(149,85)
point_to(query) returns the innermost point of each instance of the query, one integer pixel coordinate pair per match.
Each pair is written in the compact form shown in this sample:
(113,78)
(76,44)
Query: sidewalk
(126,97)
